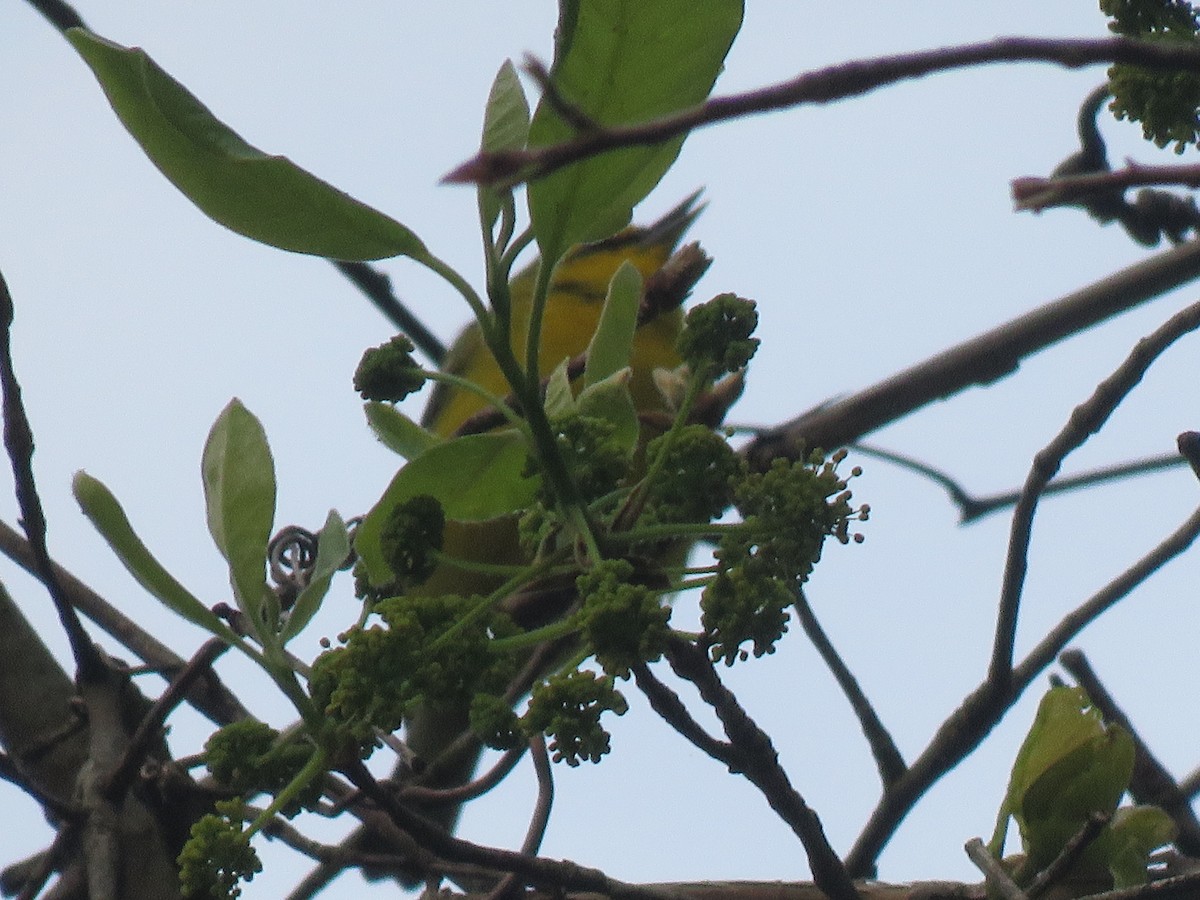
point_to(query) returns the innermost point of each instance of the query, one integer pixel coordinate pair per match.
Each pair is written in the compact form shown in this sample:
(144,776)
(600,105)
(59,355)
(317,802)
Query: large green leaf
(621,62)
(475,478)
(1070,766)
(102,508)
(267,198)
(239,490)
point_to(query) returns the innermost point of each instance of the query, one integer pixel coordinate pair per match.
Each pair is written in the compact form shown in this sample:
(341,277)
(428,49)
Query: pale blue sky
(872,233)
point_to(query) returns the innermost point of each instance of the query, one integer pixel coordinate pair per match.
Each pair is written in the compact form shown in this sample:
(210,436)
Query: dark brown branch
(760,764)
(979,360)
(821,86)
(209,695)
(887,756)
(1085,420)
(377,288)
(1037,194)
(675,713)
(18,441)
(536,870)
(427,796)
(1061,866)
(150,728)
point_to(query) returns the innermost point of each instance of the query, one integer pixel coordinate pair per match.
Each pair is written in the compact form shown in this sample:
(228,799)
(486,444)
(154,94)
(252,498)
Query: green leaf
(621,62)
(1134,833)
(611,399)
(398,432)
(267,198)
(560,399)
(106,514)
(505,127)
(475,478)
(612,344)
(239,491)
(1070,766)
(333,547)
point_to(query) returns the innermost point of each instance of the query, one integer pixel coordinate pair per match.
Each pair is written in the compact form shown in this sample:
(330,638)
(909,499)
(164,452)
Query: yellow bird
(572,313)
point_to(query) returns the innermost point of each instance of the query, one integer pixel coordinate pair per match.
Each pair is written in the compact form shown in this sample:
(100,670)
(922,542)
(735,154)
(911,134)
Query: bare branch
(826,85)
(377,287)
(760,764)
(997,877)
(1085,420)
(980,360)
(1036,194)
(973,507)
(887,755)
(674,712)
(980,710)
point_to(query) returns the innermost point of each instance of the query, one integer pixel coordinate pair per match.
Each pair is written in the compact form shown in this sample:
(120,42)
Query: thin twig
(995,874)
(973,507)
(1061,866)
(377,287)
(18,440)
(427,796)
(1037,194)
(826,85)
(1085,420)
(150,728)
(541,811)
(209,696)
(1151,782)
(887,756)
(535,869)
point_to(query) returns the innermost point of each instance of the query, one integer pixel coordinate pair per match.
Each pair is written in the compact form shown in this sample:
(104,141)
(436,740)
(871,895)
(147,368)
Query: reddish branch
(821,86)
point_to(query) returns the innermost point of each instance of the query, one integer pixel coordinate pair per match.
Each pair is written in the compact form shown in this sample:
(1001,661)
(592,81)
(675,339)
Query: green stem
(460,284)
(465,384)
(312,769)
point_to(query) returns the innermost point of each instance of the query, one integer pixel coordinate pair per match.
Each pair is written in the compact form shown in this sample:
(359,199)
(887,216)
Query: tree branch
(979,360)
(887,756)
(1085,420)
(826,85)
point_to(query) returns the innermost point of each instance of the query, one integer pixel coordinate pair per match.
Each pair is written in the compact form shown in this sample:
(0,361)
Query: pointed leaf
(239,490)
(560,399)
(398,432)
(505,127)
(612,344)
(106,514)
(333,547)
(477,477)
(621,62)
(267,198)
(611,399)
